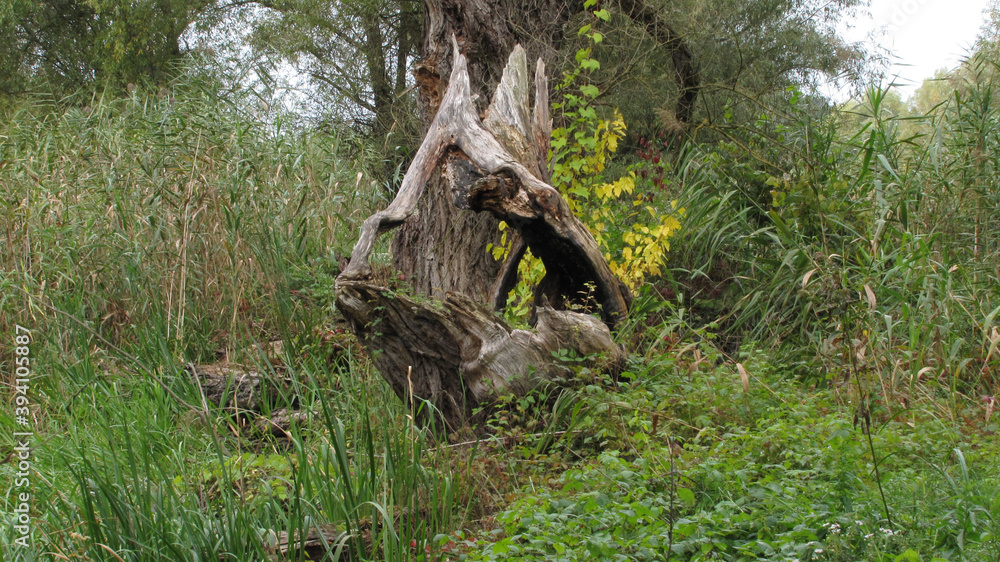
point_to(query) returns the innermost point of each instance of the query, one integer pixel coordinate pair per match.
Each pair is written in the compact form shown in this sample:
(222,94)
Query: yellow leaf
(627,183)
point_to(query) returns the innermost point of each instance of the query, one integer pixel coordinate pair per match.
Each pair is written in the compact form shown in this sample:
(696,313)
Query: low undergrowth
(690,466)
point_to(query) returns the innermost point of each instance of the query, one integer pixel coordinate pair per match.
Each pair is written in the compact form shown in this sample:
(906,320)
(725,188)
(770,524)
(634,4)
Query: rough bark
(457,355)
(454,352)
(484,171)
(438,248)
(440,344)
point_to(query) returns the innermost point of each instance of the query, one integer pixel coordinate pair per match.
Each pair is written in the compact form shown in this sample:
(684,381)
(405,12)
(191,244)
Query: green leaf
(583,30)
(781,225)
(686,495)
(589,90)
(590,64)
(597,37)
(888,167)
(589,4)
(603,14)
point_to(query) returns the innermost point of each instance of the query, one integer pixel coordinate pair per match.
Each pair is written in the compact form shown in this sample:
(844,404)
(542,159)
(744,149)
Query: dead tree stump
(455,353)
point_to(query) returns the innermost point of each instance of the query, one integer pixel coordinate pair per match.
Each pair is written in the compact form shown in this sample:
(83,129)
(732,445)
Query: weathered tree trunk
(439,248)
(375,60)
(476,166)
(454,352)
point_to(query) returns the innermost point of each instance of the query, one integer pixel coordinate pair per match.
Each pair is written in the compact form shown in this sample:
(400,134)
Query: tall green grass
(860,234)
(187,225)
(170,195)
(122,471)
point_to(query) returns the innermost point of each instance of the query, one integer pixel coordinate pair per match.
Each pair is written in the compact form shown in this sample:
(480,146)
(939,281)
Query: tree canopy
(662,61)
(67,44)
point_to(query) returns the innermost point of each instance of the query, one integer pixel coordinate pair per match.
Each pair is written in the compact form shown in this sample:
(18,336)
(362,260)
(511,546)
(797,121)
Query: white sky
(923,35)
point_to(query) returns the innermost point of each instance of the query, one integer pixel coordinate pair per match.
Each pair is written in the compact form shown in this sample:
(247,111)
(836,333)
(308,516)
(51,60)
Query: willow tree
(69,44)
(483,160)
